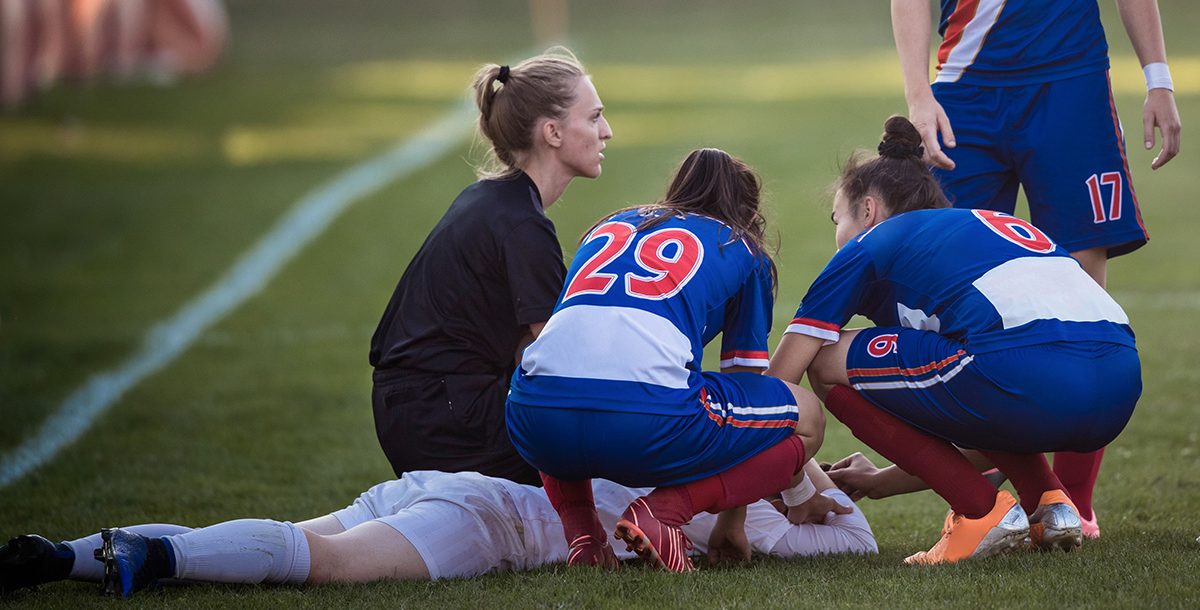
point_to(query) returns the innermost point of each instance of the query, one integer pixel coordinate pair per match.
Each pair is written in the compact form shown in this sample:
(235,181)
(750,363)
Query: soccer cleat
(589,550)
(30,560)
(1002,530)
(131,562)
(1056,523)
(1091,528)
(657,543)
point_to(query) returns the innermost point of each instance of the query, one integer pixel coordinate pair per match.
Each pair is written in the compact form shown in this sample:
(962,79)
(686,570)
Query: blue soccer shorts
(1065,396)
(1062,142)
(736,416)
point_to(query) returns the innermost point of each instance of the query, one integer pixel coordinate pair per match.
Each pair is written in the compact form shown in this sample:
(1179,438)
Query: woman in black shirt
(487,277)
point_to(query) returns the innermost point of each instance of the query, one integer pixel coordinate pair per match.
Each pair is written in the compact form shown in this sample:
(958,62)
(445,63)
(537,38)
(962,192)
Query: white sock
(243,551)
(87,568)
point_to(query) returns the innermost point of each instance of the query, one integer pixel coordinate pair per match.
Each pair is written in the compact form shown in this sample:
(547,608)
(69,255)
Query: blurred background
(129,185)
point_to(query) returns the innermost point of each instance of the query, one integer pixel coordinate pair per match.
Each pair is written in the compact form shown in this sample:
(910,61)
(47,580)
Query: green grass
(121,203)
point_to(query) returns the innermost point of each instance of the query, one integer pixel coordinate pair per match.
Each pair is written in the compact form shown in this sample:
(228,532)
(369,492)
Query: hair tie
(503,75)
(896,150)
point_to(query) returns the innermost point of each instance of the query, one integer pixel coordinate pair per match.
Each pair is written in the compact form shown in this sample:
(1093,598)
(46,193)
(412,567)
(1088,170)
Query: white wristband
(799,494)
(1158,76)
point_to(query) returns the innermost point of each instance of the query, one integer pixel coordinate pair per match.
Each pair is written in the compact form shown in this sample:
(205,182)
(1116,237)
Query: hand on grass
(728,542)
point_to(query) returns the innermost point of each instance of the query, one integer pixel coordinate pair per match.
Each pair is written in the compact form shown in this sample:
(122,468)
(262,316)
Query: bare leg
(326,525)
(368,552)
(1095,262)
(1078,471)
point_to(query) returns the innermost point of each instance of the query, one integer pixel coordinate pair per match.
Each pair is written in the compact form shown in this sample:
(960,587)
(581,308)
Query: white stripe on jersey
(1047,288)
(974,34)
(752,362)
(924,383)
(610,343)
(829,336)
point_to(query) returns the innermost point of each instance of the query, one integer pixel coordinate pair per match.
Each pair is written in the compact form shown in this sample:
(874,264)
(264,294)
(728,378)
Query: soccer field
(122,205)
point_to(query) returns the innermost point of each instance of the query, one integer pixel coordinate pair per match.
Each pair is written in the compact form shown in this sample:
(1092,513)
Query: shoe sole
(1064,539)
(1000,541)
(636,540)
(111,583)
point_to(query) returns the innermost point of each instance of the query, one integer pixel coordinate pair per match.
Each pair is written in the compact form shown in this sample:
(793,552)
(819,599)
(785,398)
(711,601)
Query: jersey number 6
(668,273)
(1016,230)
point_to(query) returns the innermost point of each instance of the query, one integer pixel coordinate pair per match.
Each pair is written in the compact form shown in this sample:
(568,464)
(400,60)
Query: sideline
(166,340)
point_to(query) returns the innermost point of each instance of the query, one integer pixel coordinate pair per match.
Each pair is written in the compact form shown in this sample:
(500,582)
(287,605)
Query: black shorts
(450,423)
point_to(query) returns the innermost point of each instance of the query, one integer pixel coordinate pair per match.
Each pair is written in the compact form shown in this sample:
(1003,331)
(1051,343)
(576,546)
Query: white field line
(167,339)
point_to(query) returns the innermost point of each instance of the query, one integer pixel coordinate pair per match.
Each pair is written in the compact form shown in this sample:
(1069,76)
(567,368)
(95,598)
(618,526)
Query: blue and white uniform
(612,387)
(1025,85)
(988,335)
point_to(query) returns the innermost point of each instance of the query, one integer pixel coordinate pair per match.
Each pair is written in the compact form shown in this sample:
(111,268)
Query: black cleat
(30,560)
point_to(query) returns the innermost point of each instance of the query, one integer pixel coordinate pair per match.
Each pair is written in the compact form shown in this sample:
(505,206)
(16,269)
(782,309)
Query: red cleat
(657,543)
(588,550)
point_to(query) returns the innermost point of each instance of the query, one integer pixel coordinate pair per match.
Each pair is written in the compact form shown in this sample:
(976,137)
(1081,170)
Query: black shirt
(490,267)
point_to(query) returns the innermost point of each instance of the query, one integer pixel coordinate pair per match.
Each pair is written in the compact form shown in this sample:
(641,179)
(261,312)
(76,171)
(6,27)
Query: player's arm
(793,356)
(531,333)
(911,29)
(1144,26)
(860,478)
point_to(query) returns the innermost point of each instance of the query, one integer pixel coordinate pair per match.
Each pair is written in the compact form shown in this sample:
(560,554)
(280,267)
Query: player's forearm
(1144,27)
(911,29)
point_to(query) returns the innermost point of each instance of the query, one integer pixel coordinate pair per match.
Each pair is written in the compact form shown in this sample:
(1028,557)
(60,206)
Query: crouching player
(425,525)
(989,337)
(612,387)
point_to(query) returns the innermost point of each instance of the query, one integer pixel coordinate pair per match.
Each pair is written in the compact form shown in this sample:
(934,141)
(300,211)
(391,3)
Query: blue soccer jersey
(638,307)
(1003,43)
(986,279)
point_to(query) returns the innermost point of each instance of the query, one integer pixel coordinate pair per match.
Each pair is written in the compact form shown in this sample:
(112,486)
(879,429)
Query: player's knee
(810,423)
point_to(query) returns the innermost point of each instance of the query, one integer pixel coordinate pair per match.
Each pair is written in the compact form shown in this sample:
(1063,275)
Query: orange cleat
(589,550)
(1056,523)
(1002,530)
(657,543)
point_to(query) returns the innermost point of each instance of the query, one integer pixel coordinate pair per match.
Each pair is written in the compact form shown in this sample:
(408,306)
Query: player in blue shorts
(989,336)
(1022,97)
(612,388)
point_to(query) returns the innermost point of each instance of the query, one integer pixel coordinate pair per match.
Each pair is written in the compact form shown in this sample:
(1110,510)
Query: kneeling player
(426,525)
(990,337)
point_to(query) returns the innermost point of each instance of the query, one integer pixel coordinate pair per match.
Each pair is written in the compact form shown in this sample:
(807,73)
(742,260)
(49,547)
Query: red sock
(1029,472)
(1078,472)
(575,506)
(763,474)
(932,459)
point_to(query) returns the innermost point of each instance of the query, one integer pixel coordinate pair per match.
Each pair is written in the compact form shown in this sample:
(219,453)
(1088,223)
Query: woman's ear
(871,211)
(551,134)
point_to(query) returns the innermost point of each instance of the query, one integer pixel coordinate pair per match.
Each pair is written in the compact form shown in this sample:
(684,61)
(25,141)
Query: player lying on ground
(426,525)
(989,336)
(612,387)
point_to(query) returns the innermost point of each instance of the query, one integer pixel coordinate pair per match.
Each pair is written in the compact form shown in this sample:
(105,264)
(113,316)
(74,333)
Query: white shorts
(466,524)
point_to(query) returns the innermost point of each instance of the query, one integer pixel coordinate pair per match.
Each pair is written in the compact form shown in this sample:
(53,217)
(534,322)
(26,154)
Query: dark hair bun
(901,140)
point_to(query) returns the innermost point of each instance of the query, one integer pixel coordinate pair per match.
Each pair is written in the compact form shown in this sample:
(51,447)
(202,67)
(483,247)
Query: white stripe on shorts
(924,383)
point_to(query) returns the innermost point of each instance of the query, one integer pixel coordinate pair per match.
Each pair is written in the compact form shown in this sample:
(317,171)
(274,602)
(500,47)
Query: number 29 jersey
(986,279)
(629,329)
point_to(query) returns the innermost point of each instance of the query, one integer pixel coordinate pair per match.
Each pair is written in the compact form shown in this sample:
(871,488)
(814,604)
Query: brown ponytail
(713,183)
(512,100)
(898,176)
